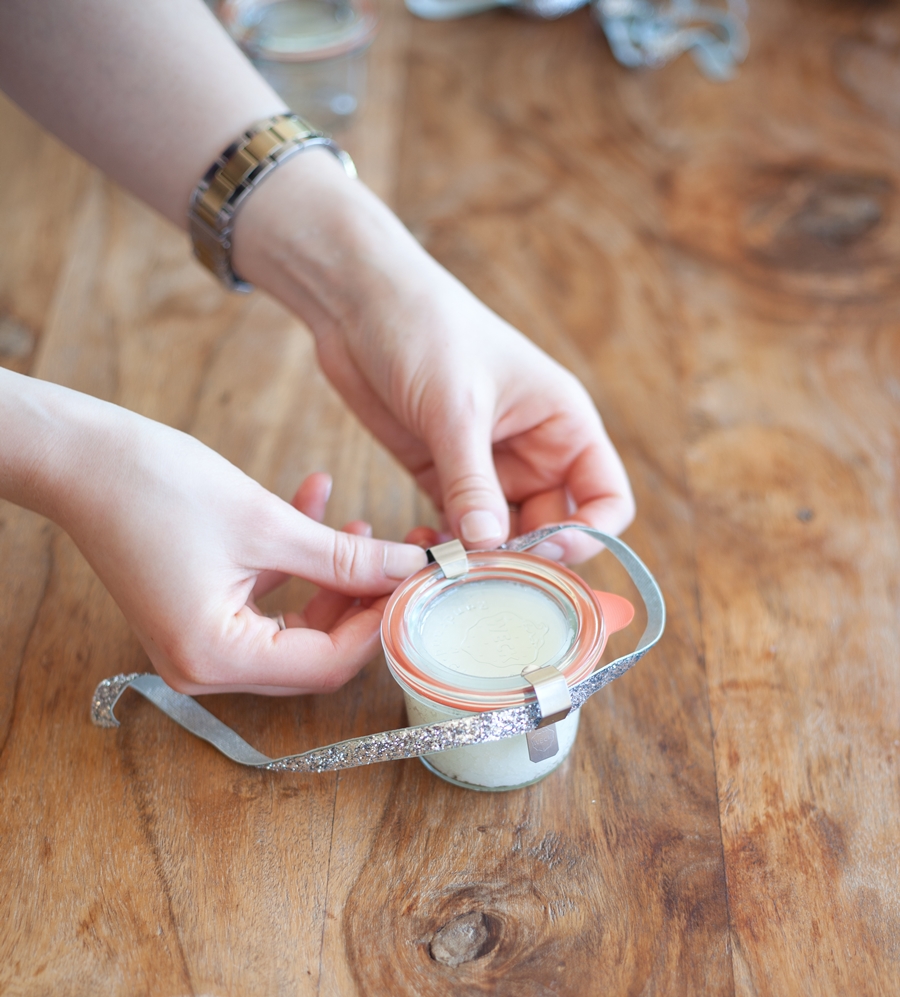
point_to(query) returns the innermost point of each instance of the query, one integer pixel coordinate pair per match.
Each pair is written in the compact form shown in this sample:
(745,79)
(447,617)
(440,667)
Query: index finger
(595,492)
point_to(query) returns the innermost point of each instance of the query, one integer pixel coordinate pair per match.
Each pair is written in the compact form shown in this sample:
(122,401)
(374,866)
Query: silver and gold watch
(231,178)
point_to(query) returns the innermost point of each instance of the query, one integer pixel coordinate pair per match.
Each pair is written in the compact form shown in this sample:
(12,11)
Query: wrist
(324,245)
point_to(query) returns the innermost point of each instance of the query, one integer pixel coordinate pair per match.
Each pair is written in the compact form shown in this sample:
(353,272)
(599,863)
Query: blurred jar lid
(299,30)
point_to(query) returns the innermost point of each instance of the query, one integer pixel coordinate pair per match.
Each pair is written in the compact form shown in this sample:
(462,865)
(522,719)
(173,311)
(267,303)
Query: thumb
(341,562)
(473,500)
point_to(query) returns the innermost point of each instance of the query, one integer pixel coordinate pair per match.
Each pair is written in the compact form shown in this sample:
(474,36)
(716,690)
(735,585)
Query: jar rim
(417,671)
(357,35)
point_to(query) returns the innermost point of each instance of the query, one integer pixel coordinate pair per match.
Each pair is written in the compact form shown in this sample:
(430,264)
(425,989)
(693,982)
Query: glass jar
(312,52)
(459,646)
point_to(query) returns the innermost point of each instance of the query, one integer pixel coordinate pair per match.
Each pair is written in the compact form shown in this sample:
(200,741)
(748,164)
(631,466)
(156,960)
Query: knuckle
(186,677)
(331,681)
(468,486)
(345,558)
(190,670)
(180,683)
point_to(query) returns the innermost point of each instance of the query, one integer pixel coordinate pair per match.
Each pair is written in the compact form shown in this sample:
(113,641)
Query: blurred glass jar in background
(312,52)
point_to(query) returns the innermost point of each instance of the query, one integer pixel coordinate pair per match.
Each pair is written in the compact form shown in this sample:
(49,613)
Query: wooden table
(721,265)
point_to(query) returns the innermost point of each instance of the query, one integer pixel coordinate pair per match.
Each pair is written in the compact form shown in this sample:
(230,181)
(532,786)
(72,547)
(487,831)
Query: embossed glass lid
(463,642)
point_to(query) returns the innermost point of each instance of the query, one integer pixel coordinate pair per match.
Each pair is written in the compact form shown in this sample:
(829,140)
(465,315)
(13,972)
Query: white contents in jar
(495,628)
(496,764)
(492,629)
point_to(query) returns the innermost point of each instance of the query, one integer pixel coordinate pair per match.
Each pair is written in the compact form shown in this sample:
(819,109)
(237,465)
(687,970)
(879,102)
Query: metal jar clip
(555,701)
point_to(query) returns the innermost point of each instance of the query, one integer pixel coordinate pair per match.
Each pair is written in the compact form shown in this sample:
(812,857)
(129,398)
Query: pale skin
(484,420)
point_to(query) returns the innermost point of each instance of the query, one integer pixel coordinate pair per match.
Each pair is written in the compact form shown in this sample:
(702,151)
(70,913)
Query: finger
(291,543)
(544,509)
(515,521)
(260,658)
(311,498)
(472,498)
(422,536)
(368,602)
(343,562)
(268,581)
(326,609)
(329,660)
(598,487)
(359,527)
(322,612)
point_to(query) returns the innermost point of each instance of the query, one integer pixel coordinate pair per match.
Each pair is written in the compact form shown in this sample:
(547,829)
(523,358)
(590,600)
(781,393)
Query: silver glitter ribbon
(645,34)
(408,742)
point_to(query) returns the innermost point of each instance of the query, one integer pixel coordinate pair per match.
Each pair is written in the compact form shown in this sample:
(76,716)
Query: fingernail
(480,526)
(402,560)
(548,549)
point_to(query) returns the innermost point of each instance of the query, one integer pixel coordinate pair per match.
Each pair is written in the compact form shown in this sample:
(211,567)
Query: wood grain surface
(721,266)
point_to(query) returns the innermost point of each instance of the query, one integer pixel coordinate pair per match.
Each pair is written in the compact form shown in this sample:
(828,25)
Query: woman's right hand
(185,542)
(501,436)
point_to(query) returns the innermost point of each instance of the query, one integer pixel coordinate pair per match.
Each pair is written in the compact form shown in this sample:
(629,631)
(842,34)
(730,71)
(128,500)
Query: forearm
(151,92)
(183,540)
(51,440)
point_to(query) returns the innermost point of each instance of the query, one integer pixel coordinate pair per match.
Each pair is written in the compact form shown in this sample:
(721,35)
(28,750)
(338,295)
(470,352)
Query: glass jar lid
(463,642)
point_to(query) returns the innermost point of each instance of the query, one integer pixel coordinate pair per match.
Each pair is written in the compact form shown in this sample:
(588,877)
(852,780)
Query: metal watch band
(407,742)
(238,170)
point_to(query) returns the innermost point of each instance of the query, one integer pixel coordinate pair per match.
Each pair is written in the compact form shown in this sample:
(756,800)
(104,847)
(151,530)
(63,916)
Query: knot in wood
(812,219)
(839,216)
(464,939)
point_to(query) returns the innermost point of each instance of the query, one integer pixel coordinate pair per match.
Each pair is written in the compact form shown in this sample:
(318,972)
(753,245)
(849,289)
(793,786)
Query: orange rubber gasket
(580,660)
